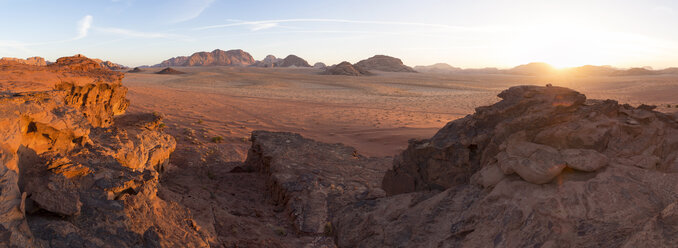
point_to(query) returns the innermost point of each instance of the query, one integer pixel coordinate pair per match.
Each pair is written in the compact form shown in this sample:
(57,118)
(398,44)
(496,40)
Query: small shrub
(162,125)
(199,121)
(217,139)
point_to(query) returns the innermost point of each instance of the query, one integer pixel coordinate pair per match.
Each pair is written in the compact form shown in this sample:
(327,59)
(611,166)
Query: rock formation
(294,61)
(269,61)
(544,167)
(214,58)
(311,180)
(347,69)
(319,65)
(38,61)
(170,71)
(135,70)
(384,63)
(75,171)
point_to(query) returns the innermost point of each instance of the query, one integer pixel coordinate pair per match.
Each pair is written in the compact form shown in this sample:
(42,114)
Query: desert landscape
(210,123)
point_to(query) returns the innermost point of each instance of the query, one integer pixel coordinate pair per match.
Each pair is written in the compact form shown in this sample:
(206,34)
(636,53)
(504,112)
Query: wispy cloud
(184,10)
(83,26)
(135,34)
(272,23)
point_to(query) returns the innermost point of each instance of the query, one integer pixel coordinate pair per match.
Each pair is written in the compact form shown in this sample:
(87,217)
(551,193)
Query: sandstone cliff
(214,58)
(74,175)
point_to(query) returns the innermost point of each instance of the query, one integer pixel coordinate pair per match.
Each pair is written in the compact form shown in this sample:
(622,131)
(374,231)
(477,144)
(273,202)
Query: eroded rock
(310,179)
(544,167)
(72,176)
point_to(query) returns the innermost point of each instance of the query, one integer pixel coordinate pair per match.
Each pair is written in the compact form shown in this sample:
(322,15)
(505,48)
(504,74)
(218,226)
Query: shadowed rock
(170,71)
(135,70)
(310,179)
(544,167)
(346,69)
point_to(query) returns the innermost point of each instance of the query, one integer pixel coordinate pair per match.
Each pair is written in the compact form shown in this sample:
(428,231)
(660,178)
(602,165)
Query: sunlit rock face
(214,58)
(74,170)
(544,167)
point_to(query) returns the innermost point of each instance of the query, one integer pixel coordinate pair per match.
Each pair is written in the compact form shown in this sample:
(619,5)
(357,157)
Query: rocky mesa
(75,170)
(384,63)
(215,58)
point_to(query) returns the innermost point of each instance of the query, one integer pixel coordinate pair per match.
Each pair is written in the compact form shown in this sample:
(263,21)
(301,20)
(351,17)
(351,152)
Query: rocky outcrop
(294,61)
(74,175)
(82,84)
(319,65)
(269,61)
(346,69)
(214,58)
(310,180)
(135,70)
(544,167)
(384,63)
(170,71)
(37,61)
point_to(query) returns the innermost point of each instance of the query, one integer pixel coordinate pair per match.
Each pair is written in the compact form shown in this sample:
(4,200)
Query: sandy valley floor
(376,114)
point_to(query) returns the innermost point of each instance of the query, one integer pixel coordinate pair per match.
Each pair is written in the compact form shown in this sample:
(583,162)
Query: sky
(469,34)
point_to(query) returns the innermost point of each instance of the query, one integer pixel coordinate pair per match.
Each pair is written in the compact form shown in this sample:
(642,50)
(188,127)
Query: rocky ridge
(74,174)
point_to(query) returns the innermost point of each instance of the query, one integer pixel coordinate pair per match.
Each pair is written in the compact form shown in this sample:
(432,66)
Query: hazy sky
(462,33)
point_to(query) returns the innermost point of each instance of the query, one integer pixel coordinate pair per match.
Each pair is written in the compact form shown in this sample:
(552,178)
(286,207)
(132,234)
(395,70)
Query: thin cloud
(136,34)
(273,23)
(83,26)
(187,10)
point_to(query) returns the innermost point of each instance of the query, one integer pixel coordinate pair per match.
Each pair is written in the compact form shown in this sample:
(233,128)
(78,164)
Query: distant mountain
(437,68)
(319,65)
(533,69)
(346,69)
(214,58)
(39,61)
(110,65)
(269,61)
(293,60)
(384,63)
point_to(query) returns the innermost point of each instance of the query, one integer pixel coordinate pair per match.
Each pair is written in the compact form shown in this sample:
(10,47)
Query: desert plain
(375,114)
